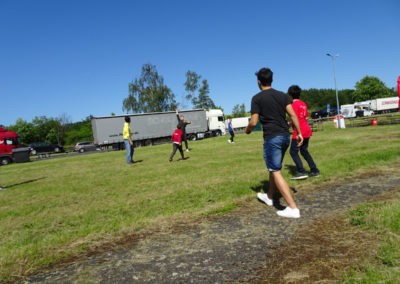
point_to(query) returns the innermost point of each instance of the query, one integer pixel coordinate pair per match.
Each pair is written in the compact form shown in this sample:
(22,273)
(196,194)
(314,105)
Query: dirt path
(225,250)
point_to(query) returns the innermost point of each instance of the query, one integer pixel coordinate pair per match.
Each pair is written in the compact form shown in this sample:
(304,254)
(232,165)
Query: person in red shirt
(176,142)
(301,110)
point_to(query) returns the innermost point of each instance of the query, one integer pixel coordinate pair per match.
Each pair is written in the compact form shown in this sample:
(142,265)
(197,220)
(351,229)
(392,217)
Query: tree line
(367,88)
(149,93)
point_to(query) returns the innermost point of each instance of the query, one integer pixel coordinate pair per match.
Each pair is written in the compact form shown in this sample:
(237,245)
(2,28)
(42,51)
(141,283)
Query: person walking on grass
(301,110)
(270,107)
(176,142)
(126,133)
(183,122)
(231,131)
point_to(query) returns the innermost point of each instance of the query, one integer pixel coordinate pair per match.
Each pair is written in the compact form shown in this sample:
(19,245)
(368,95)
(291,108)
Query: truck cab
(358,109)
(216,122)
(8,141)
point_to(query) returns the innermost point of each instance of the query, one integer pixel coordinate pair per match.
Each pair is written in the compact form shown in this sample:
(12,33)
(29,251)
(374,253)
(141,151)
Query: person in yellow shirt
(128,140)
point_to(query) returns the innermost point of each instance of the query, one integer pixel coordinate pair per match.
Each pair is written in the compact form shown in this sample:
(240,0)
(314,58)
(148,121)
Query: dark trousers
(232,135)
(174,148)
(184,139)
(294,153)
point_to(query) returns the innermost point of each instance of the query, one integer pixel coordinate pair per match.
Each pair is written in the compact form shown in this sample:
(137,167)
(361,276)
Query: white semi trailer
(157,127)
(385,105)
(239,123)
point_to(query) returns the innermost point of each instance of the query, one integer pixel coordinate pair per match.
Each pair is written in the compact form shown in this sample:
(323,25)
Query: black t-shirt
(271,107)
(182,123)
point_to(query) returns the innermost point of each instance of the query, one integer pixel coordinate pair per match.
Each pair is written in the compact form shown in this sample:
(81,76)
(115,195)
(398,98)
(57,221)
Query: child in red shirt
(176,142)
(301,110)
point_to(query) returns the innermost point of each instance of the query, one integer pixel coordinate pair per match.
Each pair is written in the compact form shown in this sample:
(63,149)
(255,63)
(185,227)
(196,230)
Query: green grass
(381,218)
(59,208)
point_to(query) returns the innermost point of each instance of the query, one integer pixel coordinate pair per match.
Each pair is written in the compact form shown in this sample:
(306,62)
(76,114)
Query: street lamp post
(334,79)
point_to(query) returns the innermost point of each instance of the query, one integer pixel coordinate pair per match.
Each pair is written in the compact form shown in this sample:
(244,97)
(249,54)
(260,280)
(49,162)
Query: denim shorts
(274,151)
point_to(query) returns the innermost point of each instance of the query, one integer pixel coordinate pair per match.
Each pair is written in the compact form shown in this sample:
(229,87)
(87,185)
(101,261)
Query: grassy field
(59,208)
(382,219)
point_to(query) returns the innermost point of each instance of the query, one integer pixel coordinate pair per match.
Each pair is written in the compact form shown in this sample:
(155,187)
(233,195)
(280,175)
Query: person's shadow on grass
(20,183)
(263,187)
(292,169)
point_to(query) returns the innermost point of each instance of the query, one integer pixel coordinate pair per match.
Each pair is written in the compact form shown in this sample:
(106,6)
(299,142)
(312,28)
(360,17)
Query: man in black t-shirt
(183,122)
(270,108)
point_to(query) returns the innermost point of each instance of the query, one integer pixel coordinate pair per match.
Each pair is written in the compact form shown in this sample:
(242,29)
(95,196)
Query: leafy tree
(203,100)
(61,129)
(370,87)
(191,85)
(239,110)
(149,93)
(52,130)
(25,130)
(80,131)
(318,98)
(46,129)
(346,96)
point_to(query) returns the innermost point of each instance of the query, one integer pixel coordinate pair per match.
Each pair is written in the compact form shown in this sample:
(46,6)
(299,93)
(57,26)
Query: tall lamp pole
(334,78)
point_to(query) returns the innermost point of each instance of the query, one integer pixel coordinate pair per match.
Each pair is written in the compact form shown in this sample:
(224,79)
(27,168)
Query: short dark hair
(127,119)
(294,91)
(178,126)
(265,76)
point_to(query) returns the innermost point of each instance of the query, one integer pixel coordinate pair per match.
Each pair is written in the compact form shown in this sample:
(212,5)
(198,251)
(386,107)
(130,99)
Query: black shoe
(299,176)
(314,174)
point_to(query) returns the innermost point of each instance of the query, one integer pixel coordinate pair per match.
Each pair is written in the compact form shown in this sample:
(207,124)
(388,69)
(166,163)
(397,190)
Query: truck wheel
(218,133)
(33,152)
(193,137)
(5,161)
(57,150)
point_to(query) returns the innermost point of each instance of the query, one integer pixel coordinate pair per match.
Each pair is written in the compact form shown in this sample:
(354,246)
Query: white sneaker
(229,141)
(289,212)
(264,198)
(187,150)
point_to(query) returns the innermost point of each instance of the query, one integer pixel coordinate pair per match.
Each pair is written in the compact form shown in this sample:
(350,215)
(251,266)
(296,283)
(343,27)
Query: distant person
(176,142)
(270,107)
(231,131)
(128,140)
(301,110)
(183,122)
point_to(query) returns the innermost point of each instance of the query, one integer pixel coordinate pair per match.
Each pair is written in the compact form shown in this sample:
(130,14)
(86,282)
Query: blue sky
(77,57)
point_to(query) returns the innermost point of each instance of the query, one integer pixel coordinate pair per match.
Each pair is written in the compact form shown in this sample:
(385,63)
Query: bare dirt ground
(250,245)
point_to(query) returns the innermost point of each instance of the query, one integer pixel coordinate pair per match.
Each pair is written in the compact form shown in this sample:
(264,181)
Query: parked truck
(385,105)
(358,109)
(239,123)
(157,127)
(10,148)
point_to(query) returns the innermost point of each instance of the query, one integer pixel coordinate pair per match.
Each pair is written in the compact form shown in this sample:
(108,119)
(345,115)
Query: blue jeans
(294,153)
(274,151)
(129,151)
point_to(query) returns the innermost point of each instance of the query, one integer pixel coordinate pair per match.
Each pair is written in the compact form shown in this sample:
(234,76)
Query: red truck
(10,147)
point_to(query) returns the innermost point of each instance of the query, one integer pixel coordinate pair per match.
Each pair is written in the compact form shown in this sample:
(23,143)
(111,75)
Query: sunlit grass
(58,208)
(381,218)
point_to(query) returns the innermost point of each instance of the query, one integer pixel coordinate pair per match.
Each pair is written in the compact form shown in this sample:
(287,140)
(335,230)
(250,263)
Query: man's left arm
(252,123)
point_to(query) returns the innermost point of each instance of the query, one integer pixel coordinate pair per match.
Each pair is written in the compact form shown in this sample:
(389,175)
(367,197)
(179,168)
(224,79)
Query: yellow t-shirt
(127,131)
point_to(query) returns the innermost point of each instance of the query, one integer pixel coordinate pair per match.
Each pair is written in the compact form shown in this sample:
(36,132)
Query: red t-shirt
(301,110)
(177,136)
